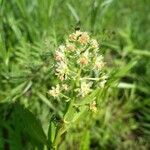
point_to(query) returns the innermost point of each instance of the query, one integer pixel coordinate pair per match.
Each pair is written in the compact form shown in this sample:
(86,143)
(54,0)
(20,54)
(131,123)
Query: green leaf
(45,100)
(52,132)
(73,12)
(32,126)
(70,112)
(74,113)
(85,142)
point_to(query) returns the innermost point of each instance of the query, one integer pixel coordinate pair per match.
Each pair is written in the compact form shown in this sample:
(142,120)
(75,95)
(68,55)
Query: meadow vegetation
(74,74)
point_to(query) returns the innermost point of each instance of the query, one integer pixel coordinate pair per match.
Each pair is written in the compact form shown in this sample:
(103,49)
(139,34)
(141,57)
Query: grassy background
(30,29)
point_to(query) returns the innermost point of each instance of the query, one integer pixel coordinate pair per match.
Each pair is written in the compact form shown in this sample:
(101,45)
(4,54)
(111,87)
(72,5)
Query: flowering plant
(79,68)
(79,72)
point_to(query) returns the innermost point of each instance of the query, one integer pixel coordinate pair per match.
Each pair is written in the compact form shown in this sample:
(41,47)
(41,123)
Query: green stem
(57,140)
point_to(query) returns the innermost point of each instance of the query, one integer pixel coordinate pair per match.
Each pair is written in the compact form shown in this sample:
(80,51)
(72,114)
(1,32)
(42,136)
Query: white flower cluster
(78,66)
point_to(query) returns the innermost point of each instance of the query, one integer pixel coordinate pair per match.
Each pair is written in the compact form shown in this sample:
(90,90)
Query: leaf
(45,100)
(32,126)
(70,112)
(1,139)
(52,131)
(85,142)
(15,93)
(78,114)
(73,12)
(1,2)
(124,70)
(28,86)
(126,85)
(119,73)
(74,113)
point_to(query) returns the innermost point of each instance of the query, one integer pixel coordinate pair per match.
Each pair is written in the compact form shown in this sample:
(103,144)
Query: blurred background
(29,29)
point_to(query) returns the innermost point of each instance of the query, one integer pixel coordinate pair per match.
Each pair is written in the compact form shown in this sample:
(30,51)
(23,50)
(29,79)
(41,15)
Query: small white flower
(59,56)
(102,83)
(103,80)
(70,47)
(85,88)
(84,59)
(94,44)
(65,87)
(74,36)
(55,91)
(93,107)
(104,77)
(99,63)
(61,48)
(61,70)
(84,38)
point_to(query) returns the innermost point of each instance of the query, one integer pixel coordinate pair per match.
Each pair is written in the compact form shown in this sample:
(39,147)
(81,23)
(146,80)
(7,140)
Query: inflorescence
(79,68)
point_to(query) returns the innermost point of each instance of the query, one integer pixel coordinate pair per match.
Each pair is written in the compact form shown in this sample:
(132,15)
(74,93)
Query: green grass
(30,31)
